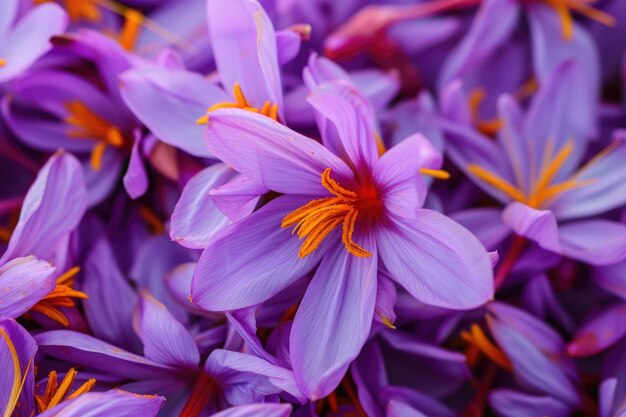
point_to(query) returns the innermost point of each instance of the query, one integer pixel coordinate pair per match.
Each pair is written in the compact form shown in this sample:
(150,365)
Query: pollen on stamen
(440,174)
(315,220)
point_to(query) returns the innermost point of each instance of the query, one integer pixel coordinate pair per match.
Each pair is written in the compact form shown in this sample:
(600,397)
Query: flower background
(304,208)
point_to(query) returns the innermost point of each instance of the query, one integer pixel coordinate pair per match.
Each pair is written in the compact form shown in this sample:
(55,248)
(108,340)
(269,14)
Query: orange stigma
(79,9)
(3,62)
(133,20)
(316,219)
(479,341)
(55,392)
(62,296)
(85,124)
(542,191)
(270,110)
(564,8)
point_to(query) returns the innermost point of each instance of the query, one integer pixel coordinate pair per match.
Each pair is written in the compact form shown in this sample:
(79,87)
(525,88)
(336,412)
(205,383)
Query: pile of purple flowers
(333,208)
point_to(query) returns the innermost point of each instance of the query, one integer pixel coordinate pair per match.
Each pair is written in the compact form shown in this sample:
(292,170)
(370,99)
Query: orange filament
(440,174)
(380,145)
(132,23)
(152,220)
(56,393)
(488,127)
(79,9)
(563,9)
(88,125)
(543,191)
(386,321)
(63,295)
(3,62)
(316,219)
(268,109)
(18,379)
(476,337)
(201,394)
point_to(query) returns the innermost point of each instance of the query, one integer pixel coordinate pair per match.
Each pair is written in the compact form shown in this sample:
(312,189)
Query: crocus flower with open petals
(348,213)
(537,169)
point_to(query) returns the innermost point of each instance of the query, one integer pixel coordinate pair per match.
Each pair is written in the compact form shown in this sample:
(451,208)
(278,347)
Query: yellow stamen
(85,124)
(55,393)
(563,9)
(497,182)
(488,127)
(477,337)
(440,174)
(316,219)
(132,23)
(380,145)
(593,14)
(18,380)
(241,102)
(82,9)
(551,170)
(62,295)
(386,321)
(3,62)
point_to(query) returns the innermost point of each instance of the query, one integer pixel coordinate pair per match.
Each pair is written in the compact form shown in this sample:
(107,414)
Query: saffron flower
(341,215)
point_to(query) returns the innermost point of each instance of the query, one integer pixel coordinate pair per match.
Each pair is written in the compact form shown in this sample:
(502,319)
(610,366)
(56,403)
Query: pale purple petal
(537,225)
(23,282)
(257,410)
(599,333)
(271,154)
(598,242)
(165,340)
(252,260)
(334,318)
(196,219)
(115,403)
(437,260)
(238,197)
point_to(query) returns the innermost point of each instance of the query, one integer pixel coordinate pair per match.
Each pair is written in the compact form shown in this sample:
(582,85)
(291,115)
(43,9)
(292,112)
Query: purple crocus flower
(51,210)
(17,386)
(171,364)
(25,35)
(537,168)
(348,213)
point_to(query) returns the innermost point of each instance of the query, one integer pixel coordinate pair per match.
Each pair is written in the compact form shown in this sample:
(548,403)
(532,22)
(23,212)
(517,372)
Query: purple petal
(21,355)
(485,223)
(397,408)
(196,219)
(165,340)
(537,225)
(437,260)
(271,154)
(526,358)
(238,197)
(24,281)
(52,208)
(84,350)
(136,177)
(600,333)
(334,318)
(598,242)
(353,117)
(483,39)
(109,308)
(244,44)
(397,174)
(252,260)
(257,410)
(508,403)
(612,278)
(114,403)
(247,378)
(385,300)
(605,187)
(30,38)
(169,102)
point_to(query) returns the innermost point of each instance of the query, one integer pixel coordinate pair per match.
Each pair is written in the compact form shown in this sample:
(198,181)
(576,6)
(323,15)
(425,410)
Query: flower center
(542,191)
(55,392)
(201,394)
(316,219)
(268,109)
(85,124)
(62,296)
(564,8)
